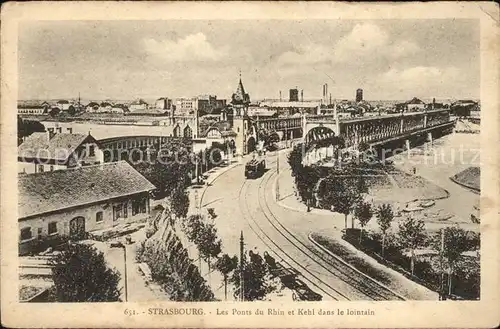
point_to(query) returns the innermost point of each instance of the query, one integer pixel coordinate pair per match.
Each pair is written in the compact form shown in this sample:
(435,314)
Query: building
(291,108)
(220,132)
(359,95)
(138,105)
(203,104)
(294,95)
(164,104)
(92,107)
(105,107)
(63,105)
(33,109)
(67,204)
(463,108)
(324,97)
(119,108)
(54,150)
(186,106)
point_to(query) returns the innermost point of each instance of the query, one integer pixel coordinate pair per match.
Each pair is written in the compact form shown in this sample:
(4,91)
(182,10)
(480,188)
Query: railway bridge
(377,131)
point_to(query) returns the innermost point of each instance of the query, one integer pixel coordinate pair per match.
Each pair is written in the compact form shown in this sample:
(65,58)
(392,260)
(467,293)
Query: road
(250,206)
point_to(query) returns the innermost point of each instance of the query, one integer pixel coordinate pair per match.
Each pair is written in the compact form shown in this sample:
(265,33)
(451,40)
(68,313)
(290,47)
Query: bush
(466,280)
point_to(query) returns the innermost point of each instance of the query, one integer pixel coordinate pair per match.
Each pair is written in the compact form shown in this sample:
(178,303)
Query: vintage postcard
(230,164)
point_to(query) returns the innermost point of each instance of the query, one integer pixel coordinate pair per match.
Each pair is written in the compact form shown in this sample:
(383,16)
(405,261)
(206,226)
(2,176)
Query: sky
(388,59)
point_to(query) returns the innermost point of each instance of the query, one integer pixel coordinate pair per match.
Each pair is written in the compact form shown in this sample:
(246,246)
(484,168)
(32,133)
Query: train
(255,168)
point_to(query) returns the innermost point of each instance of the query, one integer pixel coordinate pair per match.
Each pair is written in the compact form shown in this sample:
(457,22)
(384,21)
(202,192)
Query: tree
(384,220)
(295,159)
(363,212)
(180,203)
(54,112)
(170,170)
(209,245)
(411,236)
(255,286)
(80,274)
(341,197)
(456,242)
(225,265)
(27,127)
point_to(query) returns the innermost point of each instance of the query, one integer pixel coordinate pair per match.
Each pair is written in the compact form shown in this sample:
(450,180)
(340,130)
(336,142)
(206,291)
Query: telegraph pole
(242,278)
(278,177)
(441,291)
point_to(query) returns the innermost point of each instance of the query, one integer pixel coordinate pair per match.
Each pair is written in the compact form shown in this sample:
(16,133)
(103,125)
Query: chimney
(280,95)
(330,99)
(302,95)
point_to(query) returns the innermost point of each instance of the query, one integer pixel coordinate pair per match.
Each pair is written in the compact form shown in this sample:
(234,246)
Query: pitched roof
(59,147)
(138,102)
(415,100)
(240,97)
(63,101)
(61,189)
(224,127)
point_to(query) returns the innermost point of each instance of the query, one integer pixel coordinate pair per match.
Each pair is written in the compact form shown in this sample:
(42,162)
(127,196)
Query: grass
(470,177)
(351,258)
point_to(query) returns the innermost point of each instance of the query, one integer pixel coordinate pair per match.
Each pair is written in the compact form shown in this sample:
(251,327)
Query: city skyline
(128,60)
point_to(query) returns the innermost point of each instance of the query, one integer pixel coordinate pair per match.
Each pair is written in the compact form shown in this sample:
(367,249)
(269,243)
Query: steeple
(240,97)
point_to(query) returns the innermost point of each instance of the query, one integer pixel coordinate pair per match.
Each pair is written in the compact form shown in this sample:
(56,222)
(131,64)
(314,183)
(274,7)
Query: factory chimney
(280,95)
(302,95)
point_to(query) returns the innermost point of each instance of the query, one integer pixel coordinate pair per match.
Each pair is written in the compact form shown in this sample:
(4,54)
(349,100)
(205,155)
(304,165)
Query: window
(98,217)
(39,233)
(117,212)
(51,168)
(40,168)
(26,233)
(139,206)
(52,228)
(91,150)
(125,210)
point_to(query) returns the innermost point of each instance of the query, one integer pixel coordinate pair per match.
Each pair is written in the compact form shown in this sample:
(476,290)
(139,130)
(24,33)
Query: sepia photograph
(248,160)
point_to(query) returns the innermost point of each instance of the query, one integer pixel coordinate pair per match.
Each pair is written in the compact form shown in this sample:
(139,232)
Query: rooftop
(61,189)
(59,147)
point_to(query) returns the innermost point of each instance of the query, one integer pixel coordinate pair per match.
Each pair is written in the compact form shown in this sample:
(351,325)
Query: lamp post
(122,246)
(125,263)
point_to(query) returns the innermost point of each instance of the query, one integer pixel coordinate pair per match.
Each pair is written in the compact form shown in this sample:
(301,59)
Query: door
(77,228)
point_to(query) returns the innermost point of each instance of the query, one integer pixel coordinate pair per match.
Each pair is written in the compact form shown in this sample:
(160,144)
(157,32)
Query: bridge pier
(429,137)
(407,146)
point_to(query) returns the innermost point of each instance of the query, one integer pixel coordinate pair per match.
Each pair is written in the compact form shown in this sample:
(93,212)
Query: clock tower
(239,102)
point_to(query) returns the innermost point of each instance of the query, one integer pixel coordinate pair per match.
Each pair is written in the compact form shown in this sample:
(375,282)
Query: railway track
(333,266)
(316,281)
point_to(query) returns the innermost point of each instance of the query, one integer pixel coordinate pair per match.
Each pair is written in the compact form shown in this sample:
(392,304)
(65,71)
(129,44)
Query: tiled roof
(61,189)
(58,147)
(224,127)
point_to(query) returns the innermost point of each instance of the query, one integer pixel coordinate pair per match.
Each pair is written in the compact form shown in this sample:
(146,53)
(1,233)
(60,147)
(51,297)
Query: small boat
(427,204)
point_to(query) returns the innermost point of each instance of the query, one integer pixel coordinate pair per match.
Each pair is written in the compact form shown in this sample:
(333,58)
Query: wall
(88,212)
(31,168)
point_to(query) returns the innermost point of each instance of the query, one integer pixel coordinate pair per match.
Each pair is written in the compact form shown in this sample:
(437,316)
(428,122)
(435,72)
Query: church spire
(240,97)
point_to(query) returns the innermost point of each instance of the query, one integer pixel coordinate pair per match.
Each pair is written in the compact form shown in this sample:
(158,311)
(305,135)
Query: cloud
(193,47)
(365,40)
(422,80)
